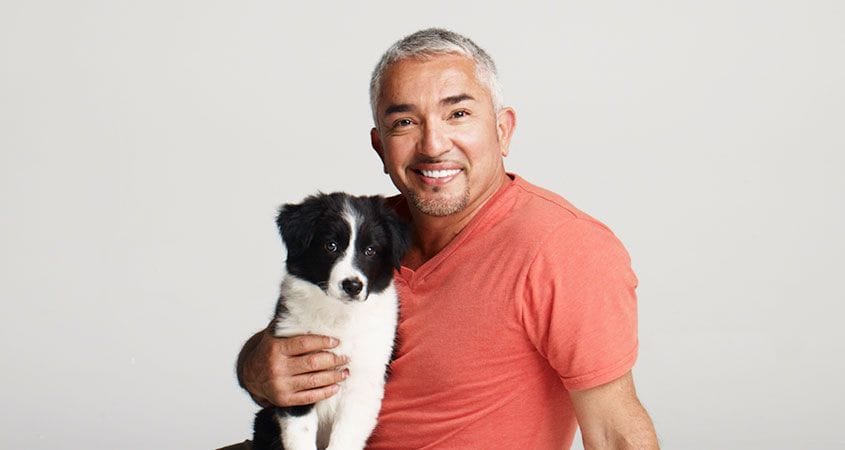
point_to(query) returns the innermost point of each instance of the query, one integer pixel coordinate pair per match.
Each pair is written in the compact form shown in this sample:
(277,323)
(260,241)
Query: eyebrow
(455,99)
(400,108)
(405,107)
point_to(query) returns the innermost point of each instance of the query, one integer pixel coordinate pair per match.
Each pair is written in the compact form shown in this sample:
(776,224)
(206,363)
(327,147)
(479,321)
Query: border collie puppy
(339,282)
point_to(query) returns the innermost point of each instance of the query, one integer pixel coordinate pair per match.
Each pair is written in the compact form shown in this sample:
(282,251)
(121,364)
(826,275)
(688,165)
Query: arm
(611,417)
(290,371)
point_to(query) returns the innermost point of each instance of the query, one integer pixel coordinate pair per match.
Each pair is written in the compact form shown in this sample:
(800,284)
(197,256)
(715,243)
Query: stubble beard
(440,207)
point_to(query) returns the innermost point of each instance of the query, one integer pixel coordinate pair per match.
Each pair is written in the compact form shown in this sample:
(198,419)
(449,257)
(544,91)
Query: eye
(402,123)
(330,246)
(459,114)
(370,251)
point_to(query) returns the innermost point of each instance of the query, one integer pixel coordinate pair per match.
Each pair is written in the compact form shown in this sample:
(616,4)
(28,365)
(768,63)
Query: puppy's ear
(398,232)
(400,236)
(296,224)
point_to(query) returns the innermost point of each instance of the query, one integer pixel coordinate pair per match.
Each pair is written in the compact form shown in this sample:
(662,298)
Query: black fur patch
(319,215)
(266,432)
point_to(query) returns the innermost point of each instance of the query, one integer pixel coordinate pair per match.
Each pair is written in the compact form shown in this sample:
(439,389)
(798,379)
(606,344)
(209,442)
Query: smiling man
(518,310)
(442,141)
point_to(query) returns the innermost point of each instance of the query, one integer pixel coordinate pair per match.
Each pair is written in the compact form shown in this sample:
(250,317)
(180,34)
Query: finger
(315,362)
(315,380)
(312,395)
(307,343)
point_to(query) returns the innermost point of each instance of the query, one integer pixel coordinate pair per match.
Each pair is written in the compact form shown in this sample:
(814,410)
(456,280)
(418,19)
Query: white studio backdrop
(144,147)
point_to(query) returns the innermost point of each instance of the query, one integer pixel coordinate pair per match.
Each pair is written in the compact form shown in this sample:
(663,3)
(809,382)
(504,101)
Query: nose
(352,286)
(434,140)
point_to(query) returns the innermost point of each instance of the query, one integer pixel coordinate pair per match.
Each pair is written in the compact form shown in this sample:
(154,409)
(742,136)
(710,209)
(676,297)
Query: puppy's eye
(331,246)
(370,251)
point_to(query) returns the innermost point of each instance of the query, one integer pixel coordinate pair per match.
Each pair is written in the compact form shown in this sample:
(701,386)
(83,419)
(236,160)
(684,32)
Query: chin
(439,207)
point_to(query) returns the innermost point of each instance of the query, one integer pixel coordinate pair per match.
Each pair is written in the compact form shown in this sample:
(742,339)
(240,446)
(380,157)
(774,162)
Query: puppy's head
(348,246)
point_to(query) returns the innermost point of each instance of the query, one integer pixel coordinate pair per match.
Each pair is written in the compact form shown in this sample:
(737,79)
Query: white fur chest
(359,325)
(366,331)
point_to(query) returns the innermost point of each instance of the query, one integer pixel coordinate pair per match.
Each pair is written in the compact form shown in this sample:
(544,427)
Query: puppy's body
(366,332)
(341,255)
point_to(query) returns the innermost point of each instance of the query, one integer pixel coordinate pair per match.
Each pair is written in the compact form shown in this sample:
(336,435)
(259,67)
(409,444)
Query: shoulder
(545,213)
(567,240)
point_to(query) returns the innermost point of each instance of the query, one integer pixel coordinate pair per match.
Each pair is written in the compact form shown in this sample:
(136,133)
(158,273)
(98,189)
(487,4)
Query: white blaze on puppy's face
(345,280)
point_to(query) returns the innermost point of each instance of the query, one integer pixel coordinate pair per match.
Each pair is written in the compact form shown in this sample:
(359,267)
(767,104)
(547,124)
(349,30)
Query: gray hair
(432,42)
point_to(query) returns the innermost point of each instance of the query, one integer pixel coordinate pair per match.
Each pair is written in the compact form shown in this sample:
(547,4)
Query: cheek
(314,266)
(477,131)
(396,160)
(399,149)
(476,146)
(379,272)
(365,265)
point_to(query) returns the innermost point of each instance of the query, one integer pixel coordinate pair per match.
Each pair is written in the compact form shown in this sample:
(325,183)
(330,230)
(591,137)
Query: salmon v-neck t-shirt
(532,299)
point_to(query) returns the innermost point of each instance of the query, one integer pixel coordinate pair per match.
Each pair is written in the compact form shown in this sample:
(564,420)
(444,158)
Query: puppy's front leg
(356,418)
(299,431)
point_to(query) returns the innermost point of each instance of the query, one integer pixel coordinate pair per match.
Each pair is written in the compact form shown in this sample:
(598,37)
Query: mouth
(348,299)
(437,176)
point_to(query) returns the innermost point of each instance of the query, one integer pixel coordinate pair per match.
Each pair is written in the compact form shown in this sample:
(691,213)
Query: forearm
(636,433)
(245,354)
(611,417)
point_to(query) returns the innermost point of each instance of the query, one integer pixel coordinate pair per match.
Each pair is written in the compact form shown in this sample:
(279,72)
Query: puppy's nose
(352,286)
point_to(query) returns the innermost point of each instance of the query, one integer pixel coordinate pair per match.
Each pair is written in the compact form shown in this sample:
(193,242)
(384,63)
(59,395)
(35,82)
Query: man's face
(438,135)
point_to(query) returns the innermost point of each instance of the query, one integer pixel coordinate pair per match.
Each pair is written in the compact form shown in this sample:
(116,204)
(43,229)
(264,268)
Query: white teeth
(439,173)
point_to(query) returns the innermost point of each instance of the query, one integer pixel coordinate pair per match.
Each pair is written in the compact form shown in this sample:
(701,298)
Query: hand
(290,371)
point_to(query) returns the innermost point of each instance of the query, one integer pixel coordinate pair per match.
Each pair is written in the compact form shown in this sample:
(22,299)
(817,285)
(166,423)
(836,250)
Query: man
(518,310)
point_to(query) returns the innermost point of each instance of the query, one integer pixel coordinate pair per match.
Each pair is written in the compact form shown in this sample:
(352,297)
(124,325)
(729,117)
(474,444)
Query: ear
(398,232)
(400,238)
(296,224)
(375,141)
(505,124)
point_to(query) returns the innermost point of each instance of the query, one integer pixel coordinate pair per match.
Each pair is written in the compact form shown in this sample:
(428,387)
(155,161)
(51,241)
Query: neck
(431,234)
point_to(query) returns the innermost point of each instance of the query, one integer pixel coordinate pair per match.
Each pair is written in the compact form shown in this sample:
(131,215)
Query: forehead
(417,81)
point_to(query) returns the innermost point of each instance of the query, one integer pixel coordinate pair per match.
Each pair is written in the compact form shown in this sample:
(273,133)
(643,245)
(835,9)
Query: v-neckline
(415,276)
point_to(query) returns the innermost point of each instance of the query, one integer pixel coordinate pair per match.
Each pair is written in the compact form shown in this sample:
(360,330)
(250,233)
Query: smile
(439,173)
(437,177)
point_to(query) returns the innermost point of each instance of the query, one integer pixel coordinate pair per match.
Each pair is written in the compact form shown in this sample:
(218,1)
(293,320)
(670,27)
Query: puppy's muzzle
(352,287)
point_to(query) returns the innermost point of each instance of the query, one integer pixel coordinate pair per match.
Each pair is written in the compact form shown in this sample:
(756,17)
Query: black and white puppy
(339,282)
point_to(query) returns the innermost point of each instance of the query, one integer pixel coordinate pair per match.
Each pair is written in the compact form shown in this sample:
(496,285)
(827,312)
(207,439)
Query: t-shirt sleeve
(579,307)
